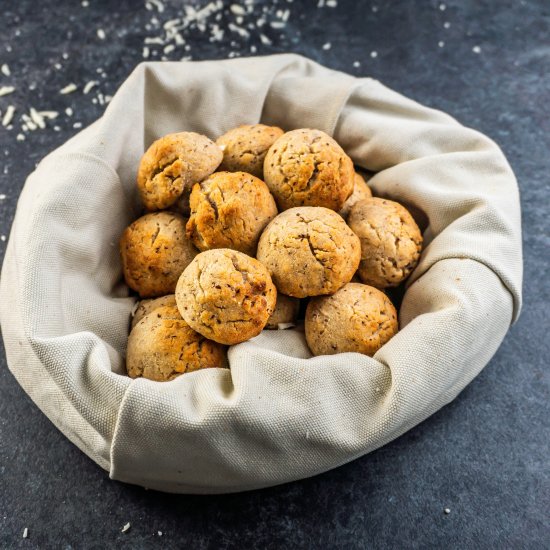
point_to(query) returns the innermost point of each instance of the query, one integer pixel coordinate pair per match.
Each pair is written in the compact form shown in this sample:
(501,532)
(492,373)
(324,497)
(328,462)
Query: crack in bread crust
(309,251)
(234,299)
(356,318)
(171,163)
(307,167)
(391,241)
(162,346)
(230,210)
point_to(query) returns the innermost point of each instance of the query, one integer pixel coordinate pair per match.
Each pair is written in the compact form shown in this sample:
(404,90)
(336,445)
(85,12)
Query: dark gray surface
(485,456)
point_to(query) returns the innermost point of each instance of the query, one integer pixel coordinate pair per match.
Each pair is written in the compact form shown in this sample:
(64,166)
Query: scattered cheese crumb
(442,7)
(356,64)
(26,530)
(159,533)
(170,48)
(37,119)
(441,43)
(85,3)
(265,40)
(476,49)
(8,115)
(155,40)
(331,3)
(158,4)
(101,34)
(447,510)
(239,30)
(446,25)
(58,66)
(5,90)
(65,55)
(69,111)
(2,197)
(237,10)
(374,54)
(145,53)
(125,528)
(48,114)
(68,89)
(327,46)
(5,69)
(30,124)
(77,125)
(3,238)
(20,137)
(90,85)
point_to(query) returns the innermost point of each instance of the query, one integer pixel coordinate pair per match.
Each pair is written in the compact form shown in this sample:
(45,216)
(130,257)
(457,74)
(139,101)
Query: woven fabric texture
(278,414)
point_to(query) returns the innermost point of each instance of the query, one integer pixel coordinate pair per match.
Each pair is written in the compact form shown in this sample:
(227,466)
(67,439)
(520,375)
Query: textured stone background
(485,456)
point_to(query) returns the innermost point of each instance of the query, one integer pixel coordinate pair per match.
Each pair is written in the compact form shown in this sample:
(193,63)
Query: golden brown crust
(245,148)
(361,191)
(154,251)
(162,346)
(230,210)
(357,318)
(172,164)
(144,307)
(286,311)
(390,241)
(307,167)
(226,295)
(309,251)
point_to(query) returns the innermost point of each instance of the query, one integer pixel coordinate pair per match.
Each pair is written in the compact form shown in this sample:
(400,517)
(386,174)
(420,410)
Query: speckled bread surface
(230,210)
(360,192)
(226,295)
(154,251)
(307,167)
(162,346)
(357,318)
(173,164)
(286,312)
(309,251)
(144,307)
(390,241)
(245,147)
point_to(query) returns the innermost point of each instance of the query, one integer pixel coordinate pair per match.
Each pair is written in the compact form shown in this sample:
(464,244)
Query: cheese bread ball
(155,250)
(162,346)
(309,251)
(308,168)
(226,296)
(245,147)
(357,318)
(390,241)
(230,210)
(172,164)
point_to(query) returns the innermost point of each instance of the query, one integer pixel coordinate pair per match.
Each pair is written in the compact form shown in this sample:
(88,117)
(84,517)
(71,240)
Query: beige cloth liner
(278,414)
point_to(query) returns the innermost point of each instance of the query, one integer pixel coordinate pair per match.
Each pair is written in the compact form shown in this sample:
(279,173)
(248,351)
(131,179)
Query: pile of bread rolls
(239,233)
